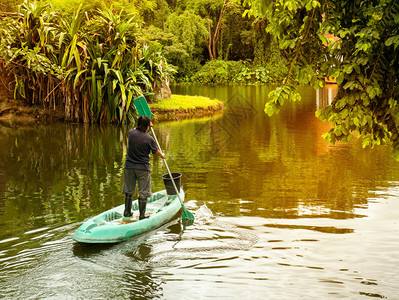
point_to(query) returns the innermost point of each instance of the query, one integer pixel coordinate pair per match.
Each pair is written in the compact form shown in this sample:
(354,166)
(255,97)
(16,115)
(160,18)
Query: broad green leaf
(356,121)
(270,109)
(393,40)
(129,100)
(369,121)
(371,92)
(77,59)
(340,103)
(344,113)
(364,120)
(123,94)
(366,142)
(320,114)
(75,82)
(118,74)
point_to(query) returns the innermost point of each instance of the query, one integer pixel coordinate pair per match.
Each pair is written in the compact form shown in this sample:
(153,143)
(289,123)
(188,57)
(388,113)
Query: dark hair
(142,123)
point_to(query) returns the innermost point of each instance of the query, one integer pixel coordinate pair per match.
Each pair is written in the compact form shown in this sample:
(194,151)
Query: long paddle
(144,110)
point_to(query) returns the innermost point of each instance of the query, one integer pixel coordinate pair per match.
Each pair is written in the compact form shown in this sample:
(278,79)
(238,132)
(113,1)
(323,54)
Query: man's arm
(159,153)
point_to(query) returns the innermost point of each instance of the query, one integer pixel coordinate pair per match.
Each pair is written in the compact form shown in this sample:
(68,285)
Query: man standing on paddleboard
(137,166)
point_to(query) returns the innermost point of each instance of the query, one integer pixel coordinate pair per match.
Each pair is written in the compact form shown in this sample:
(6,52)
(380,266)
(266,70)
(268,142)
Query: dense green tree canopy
(189,29)
(354,41)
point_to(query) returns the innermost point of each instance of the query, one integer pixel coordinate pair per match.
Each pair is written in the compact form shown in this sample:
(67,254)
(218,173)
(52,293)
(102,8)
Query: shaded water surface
(279,214)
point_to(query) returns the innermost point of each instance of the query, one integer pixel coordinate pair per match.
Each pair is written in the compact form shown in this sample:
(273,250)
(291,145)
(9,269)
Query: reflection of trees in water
(50,172)
(289,171)
(326,95)
(276,167)
(267,166)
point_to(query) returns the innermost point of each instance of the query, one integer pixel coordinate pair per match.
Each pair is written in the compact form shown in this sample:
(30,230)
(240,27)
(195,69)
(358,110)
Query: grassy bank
(182,106)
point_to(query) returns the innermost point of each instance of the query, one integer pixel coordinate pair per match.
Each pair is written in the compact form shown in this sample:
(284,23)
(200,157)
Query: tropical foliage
(182,41)
(92,66)
(135,7)
(9,5)
(196,32)
(357,43)
(234,72)
(189,33)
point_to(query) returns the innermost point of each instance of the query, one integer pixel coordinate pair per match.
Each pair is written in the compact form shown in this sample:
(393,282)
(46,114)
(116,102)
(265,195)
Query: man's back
(139,147)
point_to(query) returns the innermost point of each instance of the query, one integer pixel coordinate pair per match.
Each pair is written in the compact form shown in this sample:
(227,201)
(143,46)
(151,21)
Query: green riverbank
(13,112)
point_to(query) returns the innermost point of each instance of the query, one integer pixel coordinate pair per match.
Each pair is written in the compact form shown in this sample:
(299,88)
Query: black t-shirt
(138,151)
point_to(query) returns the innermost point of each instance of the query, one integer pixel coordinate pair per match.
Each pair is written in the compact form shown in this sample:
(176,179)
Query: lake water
(279,213)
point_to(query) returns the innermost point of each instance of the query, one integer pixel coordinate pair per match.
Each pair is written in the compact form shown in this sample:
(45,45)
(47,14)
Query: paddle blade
(142,107)
(187,216)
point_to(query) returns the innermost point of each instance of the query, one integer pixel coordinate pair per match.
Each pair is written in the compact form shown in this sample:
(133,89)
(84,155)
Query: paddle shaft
(167,167)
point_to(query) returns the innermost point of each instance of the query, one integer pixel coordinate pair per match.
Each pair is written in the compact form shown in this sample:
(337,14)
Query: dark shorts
(131,177)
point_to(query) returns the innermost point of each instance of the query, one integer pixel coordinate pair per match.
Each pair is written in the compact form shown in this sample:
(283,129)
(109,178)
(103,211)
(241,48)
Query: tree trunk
(7,83)
(218,27)
(208,39)
(68,103)
(211,41)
